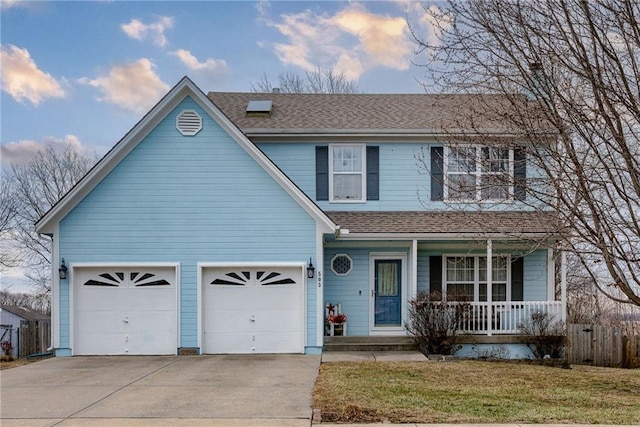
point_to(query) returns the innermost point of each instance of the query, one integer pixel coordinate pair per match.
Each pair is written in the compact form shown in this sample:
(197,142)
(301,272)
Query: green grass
(476,392)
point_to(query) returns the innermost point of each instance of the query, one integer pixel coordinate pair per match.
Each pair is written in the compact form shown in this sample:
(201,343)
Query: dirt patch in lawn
(476,392)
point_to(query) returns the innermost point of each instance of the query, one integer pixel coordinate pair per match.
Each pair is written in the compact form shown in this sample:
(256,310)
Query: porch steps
(369,343)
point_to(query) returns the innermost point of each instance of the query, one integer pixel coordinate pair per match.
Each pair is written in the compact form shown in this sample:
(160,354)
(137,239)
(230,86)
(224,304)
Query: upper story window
(347,173)
(478,173)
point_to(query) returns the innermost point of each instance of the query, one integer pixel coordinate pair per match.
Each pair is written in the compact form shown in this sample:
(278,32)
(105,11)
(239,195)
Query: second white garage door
(253,310)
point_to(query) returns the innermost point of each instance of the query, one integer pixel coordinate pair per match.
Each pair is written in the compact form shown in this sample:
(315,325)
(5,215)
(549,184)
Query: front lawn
(476,392)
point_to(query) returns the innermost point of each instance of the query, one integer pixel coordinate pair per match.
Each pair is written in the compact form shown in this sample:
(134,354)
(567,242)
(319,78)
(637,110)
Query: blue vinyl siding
(353,291)
(404,180)
(188,200)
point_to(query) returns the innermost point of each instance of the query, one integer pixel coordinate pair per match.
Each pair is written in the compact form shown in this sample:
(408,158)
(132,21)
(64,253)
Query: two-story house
(227,222)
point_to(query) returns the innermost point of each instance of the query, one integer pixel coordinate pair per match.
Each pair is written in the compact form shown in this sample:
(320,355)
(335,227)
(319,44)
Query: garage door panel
(277,318)
(98,322)
(231,342)
(278,342)
(98,343)
(251,309)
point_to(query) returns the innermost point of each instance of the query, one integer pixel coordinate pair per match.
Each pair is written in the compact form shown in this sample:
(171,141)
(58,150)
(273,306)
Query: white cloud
(351,41)
(23,80)
(134,87)
(20,152)
(191,62)
(383,38)
(154,31)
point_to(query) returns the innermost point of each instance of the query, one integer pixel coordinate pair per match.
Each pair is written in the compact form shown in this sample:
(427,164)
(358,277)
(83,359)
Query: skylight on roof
(259,108)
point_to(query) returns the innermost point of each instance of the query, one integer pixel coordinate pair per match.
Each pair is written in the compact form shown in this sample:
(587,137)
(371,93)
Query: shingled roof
(373,113)
(454,223)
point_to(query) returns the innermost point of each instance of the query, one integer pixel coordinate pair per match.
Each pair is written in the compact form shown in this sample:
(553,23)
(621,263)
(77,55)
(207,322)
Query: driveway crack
(117,390)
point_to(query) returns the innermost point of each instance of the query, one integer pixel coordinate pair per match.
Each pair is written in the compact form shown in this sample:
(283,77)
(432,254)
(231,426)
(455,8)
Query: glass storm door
(387,290)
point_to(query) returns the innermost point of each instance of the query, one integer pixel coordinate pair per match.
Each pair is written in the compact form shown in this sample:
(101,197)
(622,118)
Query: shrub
(434,324)
(546,337)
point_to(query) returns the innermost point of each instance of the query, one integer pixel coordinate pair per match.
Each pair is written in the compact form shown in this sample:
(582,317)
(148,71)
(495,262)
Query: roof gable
(184,88)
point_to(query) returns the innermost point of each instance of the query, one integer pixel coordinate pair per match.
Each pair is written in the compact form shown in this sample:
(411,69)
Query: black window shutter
(373,173)
(322,173)
(517,280)
(435,273)
(437,176)
(520,173)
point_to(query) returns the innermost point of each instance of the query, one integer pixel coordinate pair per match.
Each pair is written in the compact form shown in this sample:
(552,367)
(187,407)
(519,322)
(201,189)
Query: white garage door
(253,310)
(129,310)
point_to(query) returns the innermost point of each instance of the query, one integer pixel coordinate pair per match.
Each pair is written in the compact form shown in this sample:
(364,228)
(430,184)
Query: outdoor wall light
(63,270)
(311,270)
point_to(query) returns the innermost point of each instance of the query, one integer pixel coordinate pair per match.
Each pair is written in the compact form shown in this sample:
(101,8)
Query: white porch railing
(488,318)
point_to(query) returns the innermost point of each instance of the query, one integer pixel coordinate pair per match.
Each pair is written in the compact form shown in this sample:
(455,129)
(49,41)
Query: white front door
(253,310)
(128,310)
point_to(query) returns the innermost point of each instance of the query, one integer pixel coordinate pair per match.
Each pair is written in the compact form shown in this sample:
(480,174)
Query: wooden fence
(599,345)
(34,336)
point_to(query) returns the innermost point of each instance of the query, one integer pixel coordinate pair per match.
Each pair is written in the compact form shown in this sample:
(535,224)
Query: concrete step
(369,343)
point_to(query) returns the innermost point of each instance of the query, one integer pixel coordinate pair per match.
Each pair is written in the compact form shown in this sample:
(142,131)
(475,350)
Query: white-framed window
(478,173)
(347,173)
(465,278)
(341,264)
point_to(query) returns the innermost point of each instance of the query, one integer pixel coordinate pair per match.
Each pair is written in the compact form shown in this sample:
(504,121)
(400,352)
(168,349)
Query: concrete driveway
(160,390)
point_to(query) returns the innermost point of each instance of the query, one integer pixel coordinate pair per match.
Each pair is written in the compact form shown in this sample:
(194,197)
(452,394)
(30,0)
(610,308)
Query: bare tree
(574,65)
(318,81)
(37,301)
(35,188)
(9,257)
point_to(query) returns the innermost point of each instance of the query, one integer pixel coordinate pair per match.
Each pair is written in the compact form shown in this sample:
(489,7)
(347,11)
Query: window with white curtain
(347,173)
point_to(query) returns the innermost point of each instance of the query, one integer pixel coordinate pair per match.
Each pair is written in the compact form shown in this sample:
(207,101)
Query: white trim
(200,266)
(185,87)
(74,266)
(440,236)
(363,181)
(350,264)
(55,288)
(563,284)
(414,270)
(476,274)
(319,288)
(389,330)
(478,174)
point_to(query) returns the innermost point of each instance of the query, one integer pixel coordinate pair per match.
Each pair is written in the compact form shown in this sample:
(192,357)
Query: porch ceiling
(454,223)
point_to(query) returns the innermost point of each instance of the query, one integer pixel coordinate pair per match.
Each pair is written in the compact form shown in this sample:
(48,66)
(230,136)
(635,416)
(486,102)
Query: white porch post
(563,284)
(489,286)
(414,270)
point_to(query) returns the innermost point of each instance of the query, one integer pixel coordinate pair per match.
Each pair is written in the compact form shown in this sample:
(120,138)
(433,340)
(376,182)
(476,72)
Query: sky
(84,72)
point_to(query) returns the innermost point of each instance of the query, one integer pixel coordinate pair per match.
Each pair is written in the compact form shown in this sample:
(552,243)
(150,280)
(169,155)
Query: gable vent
(189,123)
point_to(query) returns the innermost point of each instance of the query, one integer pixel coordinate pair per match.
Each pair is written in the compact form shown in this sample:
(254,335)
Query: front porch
(501,284)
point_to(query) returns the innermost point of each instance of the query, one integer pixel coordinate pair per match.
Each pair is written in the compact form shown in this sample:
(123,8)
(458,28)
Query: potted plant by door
(337,325)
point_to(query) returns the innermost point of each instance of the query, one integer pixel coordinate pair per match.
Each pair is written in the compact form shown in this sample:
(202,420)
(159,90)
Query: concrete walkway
(379,356)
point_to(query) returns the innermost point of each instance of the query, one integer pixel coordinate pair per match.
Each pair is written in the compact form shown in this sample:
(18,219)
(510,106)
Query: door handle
(125,320)
(252,318)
